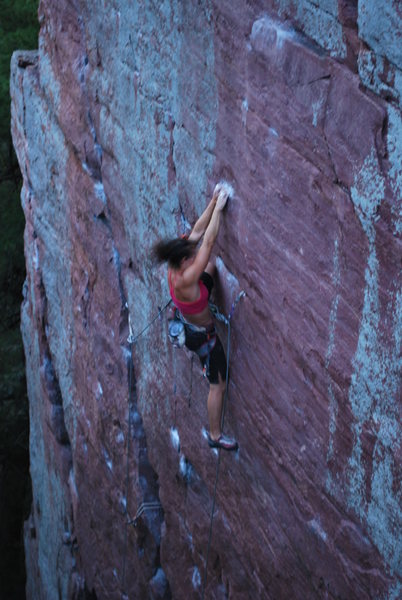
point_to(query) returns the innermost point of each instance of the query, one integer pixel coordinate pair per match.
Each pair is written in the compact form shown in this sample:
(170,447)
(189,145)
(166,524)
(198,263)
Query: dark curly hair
(173,251)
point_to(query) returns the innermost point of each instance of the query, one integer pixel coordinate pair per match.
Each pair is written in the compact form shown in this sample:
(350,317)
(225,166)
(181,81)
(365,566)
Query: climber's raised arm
(203,222)
(193,272)
(190,284)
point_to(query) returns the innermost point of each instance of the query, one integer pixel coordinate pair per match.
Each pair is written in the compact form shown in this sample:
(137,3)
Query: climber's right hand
(217,189)
(222,199)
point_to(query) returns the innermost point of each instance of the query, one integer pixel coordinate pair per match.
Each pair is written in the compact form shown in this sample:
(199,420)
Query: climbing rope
(130,410)
(175,386)
(227,321)
(190,393)
(132,339)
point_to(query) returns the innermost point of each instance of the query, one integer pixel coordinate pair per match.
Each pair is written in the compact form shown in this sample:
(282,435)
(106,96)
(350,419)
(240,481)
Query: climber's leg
(215,405)
(216,439)
(215,367)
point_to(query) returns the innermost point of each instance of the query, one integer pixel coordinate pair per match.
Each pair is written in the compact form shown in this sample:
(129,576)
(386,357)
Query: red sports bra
(190,308)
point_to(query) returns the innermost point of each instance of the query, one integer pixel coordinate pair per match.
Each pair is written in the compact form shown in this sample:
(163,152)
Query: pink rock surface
(123,122)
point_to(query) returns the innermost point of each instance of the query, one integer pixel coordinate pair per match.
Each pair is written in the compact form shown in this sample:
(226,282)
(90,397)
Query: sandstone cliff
(123,121)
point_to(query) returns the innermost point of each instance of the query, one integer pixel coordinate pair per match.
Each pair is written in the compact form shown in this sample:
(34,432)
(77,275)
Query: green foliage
(12,264)
(18,30)
(13,406)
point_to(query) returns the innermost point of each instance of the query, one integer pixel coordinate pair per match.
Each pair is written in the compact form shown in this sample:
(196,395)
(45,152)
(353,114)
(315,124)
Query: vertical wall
(123,122)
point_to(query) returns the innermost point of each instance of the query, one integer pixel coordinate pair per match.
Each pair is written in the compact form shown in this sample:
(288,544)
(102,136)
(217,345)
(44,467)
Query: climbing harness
(205,349)
(227,321)
(180,330)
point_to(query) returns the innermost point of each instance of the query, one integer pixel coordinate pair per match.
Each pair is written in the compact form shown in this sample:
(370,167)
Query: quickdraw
(176,333)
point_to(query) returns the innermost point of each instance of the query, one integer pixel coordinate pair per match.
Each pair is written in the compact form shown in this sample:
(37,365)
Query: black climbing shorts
(217,362)
(207,281)
(207,344)
(212,355)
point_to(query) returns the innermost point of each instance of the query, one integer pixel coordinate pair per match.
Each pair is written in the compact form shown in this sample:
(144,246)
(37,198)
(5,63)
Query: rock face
(123,122)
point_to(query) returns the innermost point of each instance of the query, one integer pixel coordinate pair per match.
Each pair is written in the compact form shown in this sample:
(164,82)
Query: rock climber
(190,280)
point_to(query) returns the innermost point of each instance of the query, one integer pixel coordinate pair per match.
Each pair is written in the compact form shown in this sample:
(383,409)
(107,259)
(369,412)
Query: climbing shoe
(224,442)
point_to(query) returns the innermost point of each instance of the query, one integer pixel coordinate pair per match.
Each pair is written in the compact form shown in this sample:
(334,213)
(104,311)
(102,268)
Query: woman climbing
(190,282)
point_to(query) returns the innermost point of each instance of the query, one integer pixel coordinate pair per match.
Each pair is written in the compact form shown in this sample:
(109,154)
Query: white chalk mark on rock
(175,439)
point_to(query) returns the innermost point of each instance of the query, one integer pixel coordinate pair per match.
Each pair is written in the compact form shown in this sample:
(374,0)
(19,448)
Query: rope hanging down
(132,339)
(227,321)
(145,505)
(130,404)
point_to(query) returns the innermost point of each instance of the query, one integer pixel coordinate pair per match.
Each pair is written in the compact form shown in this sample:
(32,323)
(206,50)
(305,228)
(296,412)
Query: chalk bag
(176,333)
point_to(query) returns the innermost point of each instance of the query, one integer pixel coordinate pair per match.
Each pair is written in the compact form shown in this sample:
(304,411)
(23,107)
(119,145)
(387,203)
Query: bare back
(190,293)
